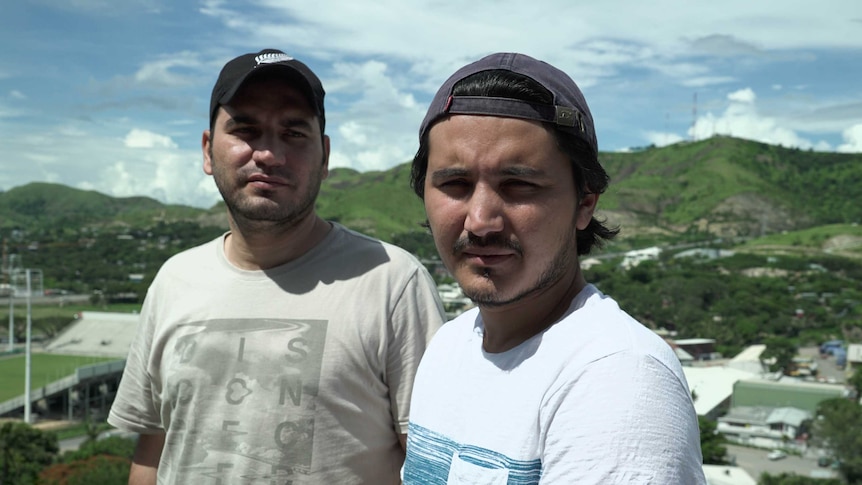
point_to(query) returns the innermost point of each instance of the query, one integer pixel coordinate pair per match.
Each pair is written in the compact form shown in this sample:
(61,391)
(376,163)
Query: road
(755,462)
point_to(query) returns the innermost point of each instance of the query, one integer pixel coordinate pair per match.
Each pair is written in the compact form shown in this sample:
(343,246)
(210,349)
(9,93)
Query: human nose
(484,212)
(269,151)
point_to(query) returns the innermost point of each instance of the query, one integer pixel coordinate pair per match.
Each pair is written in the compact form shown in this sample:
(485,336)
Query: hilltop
(722,186)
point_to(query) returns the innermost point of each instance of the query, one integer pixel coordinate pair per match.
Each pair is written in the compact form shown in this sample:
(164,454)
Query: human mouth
(262,181)
(485,256)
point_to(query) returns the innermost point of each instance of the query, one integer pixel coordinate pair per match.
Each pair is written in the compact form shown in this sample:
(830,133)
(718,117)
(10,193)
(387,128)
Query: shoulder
(196,257)
(601,319)
(357,242)
(349,251)
(454,333)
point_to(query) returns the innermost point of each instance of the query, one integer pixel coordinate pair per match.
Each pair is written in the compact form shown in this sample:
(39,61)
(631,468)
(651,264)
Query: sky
(112,95)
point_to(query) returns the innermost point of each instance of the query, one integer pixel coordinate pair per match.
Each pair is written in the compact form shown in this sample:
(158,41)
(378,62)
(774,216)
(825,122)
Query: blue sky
(113,95)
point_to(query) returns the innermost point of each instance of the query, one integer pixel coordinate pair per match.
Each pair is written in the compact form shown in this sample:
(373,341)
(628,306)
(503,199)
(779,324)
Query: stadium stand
(101,334)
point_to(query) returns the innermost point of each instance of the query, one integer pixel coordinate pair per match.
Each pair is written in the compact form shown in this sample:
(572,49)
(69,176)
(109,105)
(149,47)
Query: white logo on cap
(272,57)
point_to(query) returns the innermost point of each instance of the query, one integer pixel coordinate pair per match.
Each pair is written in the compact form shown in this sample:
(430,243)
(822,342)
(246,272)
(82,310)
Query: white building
(762,426)
(634,258)
(727,475)
(713,387)
(749,360)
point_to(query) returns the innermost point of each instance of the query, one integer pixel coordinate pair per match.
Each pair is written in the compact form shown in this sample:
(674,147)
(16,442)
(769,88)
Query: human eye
(459,182)
(243,130)
(520,185)
(456,187)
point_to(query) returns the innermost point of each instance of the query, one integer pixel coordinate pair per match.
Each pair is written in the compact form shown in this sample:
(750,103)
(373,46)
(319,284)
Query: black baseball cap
(238,70)
(569,111)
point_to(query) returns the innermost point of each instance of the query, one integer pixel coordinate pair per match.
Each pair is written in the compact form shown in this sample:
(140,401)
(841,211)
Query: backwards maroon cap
(569,111)
(238,70)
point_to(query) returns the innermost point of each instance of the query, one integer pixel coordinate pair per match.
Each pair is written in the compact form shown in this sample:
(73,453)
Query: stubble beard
(553,272)
(262,215)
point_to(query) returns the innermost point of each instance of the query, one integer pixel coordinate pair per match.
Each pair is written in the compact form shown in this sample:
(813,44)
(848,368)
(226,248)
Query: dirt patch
(843,242)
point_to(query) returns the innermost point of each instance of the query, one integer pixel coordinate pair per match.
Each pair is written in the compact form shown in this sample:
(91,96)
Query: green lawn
(45,368)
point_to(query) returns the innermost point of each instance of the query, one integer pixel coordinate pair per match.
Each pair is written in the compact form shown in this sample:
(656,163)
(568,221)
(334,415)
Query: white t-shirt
(297,374)
(596,398)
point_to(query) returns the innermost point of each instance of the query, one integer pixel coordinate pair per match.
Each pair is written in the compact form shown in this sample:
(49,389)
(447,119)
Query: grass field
(68,310)
(45,368)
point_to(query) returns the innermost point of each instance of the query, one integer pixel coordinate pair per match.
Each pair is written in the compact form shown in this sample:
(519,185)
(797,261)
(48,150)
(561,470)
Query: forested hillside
(790,217)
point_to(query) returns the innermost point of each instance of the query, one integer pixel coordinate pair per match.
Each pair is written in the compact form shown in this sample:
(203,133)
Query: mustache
(490,241)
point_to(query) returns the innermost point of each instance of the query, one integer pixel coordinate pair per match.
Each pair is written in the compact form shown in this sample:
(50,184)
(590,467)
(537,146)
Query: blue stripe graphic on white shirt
(430,455)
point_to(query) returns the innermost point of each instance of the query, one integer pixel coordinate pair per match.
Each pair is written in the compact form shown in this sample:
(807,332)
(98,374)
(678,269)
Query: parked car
(824,461)
(776,455)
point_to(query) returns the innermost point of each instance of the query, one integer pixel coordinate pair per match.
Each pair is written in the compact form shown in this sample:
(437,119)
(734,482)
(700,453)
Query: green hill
(380,204)
(43,205)
(732,187)
(722,186)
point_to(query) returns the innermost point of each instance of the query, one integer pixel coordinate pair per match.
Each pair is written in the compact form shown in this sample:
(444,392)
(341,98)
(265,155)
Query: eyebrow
(522,171)
(250,120)
(446,173)
(515,171)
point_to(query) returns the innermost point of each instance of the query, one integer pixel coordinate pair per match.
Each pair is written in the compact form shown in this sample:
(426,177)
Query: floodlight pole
(27,357)
(11,319)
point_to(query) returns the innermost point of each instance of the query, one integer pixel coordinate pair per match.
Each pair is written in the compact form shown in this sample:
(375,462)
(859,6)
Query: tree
(712,443)
(113,446)
(782,350)
(836,428)
(102,461)
(99,469)
(855,381)
(24,452)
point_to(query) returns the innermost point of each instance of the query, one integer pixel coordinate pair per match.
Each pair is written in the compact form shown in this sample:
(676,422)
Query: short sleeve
(134,406)
(625,419)
(417,315)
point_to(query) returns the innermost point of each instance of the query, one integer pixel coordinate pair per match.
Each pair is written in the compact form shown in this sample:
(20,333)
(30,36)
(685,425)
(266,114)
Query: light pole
(12,287)
(11,319)
(27,357)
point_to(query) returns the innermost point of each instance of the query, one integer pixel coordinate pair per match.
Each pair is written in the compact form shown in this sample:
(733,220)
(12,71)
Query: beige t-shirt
(299,374)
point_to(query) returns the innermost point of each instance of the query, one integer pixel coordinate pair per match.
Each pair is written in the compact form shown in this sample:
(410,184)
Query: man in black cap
(285,350)
(547,380)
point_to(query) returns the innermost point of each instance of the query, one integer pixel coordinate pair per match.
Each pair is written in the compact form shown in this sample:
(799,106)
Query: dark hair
(589,176)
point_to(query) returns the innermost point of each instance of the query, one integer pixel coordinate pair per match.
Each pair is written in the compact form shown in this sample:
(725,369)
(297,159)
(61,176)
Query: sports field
(44,369)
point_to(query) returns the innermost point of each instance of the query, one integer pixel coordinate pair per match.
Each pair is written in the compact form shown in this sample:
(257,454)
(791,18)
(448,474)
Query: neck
(508,326)
(262,245)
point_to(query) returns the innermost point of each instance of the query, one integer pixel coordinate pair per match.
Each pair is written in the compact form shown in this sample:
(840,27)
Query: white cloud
(109,163)
(742,119)
(662,139)
(138,138)
(352,133)
(698,82)
(163,72)
(746,96)
(852,140)
(380,62)
(7,112)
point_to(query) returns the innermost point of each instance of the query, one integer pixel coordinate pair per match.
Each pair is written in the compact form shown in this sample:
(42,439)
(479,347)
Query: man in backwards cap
(547,380)
(285,350)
